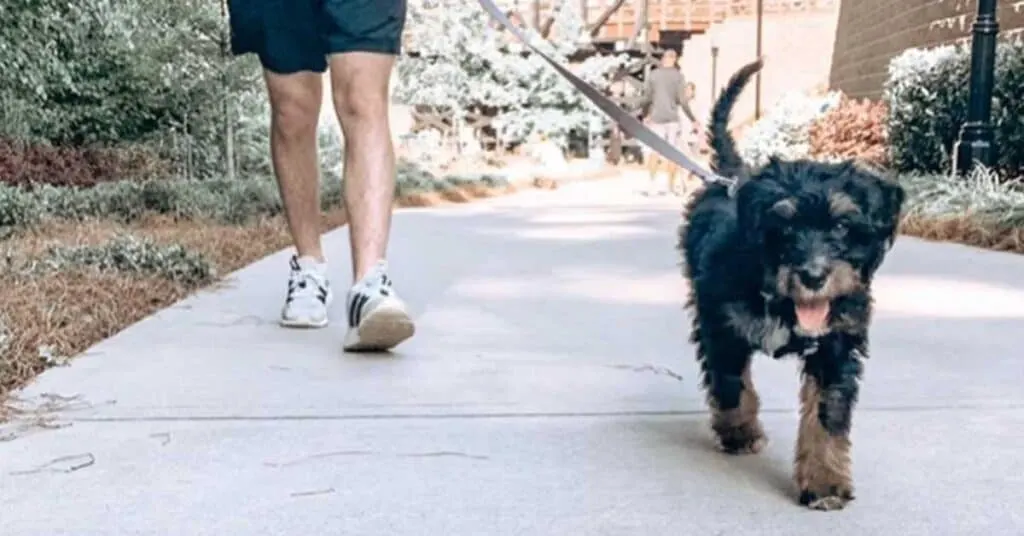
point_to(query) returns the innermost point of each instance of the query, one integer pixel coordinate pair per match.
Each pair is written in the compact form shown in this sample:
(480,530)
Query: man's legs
(654,160)
(360,87)
(673,134)
(295,108)
(364,39)
(653,163)
(284,36)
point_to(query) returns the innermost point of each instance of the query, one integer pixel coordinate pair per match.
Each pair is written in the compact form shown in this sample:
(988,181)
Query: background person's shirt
(664,93)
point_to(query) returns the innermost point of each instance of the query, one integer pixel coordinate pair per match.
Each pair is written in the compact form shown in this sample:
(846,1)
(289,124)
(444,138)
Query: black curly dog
(783,265)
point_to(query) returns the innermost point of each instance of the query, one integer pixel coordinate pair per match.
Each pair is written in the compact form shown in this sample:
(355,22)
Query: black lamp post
(976,144)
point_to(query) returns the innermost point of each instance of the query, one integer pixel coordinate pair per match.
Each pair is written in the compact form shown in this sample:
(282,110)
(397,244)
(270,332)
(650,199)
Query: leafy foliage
(784,130)
(927,94)
(983,196)
(113,73)
(851,129)
(130,255)
(25,164)
(478,70)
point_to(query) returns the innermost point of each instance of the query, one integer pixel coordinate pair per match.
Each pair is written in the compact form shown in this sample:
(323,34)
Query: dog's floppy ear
(759,200)
(887,208)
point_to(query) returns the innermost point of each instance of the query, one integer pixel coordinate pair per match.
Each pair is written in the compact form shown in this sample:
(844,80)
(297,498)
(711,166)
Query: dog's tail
(725,158)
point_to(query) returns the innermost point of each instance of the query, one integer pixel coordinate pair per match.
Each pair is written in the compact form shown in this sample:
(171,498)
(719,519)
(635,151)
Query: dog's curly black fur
(783,265)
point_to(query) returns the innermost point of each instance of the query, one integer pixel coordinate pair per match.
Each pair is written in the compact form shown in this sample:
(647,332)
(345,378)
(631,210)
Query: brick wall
(871,32)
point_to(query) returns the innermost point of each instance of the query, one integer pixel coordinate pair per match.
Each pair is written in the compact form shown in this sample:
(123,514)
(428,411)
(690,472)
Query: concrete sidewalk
(549,391)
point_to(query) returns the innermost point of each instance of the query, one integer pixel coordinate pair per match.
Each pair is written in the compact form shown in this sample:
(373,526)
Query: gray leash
(627,122)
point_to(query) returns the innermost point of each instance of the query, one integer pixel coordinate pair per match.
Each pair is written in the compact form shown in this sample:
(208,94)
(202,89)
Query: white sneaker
(309,294)
(377,318)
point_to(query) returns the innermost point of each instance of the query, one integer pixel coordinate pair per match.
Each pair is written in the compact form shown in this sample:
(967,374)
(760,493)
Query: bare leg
(673,176)
(653,163)
(295,108)
(378,319)
(360,87)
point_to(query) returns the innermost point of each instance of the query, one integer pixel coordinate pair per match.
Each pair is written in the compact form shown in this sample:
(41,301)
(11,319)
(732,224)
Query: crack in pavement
(64,464)
(656,370)
(346,453)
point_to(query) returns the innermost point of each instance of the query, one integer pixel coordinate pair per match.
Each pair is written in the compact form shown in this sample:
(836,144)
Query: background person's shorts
(671,132)
(297,35)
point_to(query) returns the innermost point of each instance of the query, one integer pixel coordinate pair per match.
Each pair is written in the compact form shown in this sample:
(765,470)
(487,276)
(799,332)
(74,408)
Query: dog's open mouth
(812,316)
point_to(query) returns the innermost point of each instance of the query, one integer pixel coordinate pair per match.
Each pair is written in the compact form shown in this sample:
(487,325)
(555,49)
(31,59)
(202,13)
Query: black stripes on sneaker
(355,308)
(299,281)
(359,299)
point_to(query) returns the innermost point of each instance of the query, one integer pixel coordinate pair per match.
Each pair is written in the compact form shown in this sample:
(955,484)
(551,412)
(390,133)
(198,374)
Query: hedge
(927,93)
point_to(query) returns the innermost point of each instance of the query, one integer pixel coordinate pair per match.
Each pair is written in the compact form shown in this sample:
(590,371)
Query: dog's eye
(840,229)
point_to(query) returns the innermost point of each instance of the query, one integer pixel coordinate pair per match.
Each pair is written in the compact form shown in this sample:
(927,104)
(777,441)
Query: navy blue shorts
(290,36)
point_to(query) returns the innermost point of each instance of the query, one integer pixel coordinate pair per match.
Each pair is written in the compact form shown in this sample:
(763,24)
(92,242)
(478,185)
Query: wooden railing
(689,15)
(662,15)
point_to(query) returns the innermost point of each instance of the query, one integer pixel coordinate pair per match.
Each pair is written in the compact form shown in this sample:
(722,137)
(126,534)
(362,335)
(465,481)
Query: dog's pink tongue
(812,317)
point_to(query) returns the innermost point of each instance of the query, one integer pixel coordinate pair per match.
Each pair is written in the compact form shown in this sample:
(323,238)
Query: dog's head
(821,231)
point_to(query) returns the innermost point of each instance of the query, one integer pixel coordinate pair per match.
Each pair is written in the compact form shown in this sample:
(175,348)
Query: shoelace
(305,284)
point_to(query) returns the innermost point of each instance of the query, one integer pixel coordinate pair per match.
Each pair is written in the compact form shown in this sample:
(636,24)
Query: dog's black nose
(813,279)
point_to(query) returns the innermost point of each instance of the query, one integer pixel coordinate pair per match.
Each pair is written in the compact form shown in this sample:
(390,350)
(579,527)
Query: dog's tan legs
(739,429)
(822,466)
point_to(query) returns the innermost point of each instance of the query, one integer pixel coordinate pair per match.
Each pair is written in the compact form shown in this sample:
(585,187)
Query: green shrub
(128,254)
(18,208)
(927,94)
(785,130)
(982,195)
(147,72)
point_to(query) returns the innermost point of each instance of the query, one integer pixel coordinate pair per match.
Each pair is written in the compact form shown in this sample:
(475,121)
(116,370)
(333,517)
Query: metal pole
(757,82)
(976,144)
(714,73)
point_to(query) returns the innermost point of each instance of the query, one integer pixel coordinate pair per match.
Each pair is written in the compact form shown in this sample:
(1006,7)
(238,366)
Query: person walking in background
(296,43)
(665,91)
(692,139)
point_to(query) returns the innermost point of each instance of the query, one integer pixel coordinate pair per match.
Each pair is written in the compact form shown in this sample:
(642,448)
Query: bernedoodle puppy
(782,264)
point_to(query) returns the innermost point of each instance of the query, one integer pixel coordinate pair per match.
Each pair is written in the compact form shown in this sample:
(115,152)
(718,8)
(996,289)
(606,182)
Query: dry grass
(50,317)
(966,230)
(63,314)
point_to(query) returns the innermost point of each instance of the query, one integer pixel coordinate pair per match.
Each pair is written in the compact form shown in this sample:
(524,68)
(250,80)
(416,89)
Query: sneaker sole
(303,324)
(385,328)
(299,323)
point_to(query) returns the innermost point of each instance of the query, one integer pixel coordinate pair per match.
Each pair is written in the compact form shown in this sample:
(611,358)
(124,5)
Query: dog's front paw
(834,498)
(746,438)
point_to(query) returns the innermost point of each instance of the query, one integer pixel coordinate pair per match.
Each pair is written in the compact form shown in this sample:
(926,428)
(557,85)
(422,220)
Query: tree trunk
(229,137)
(229,123)
(188,149)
